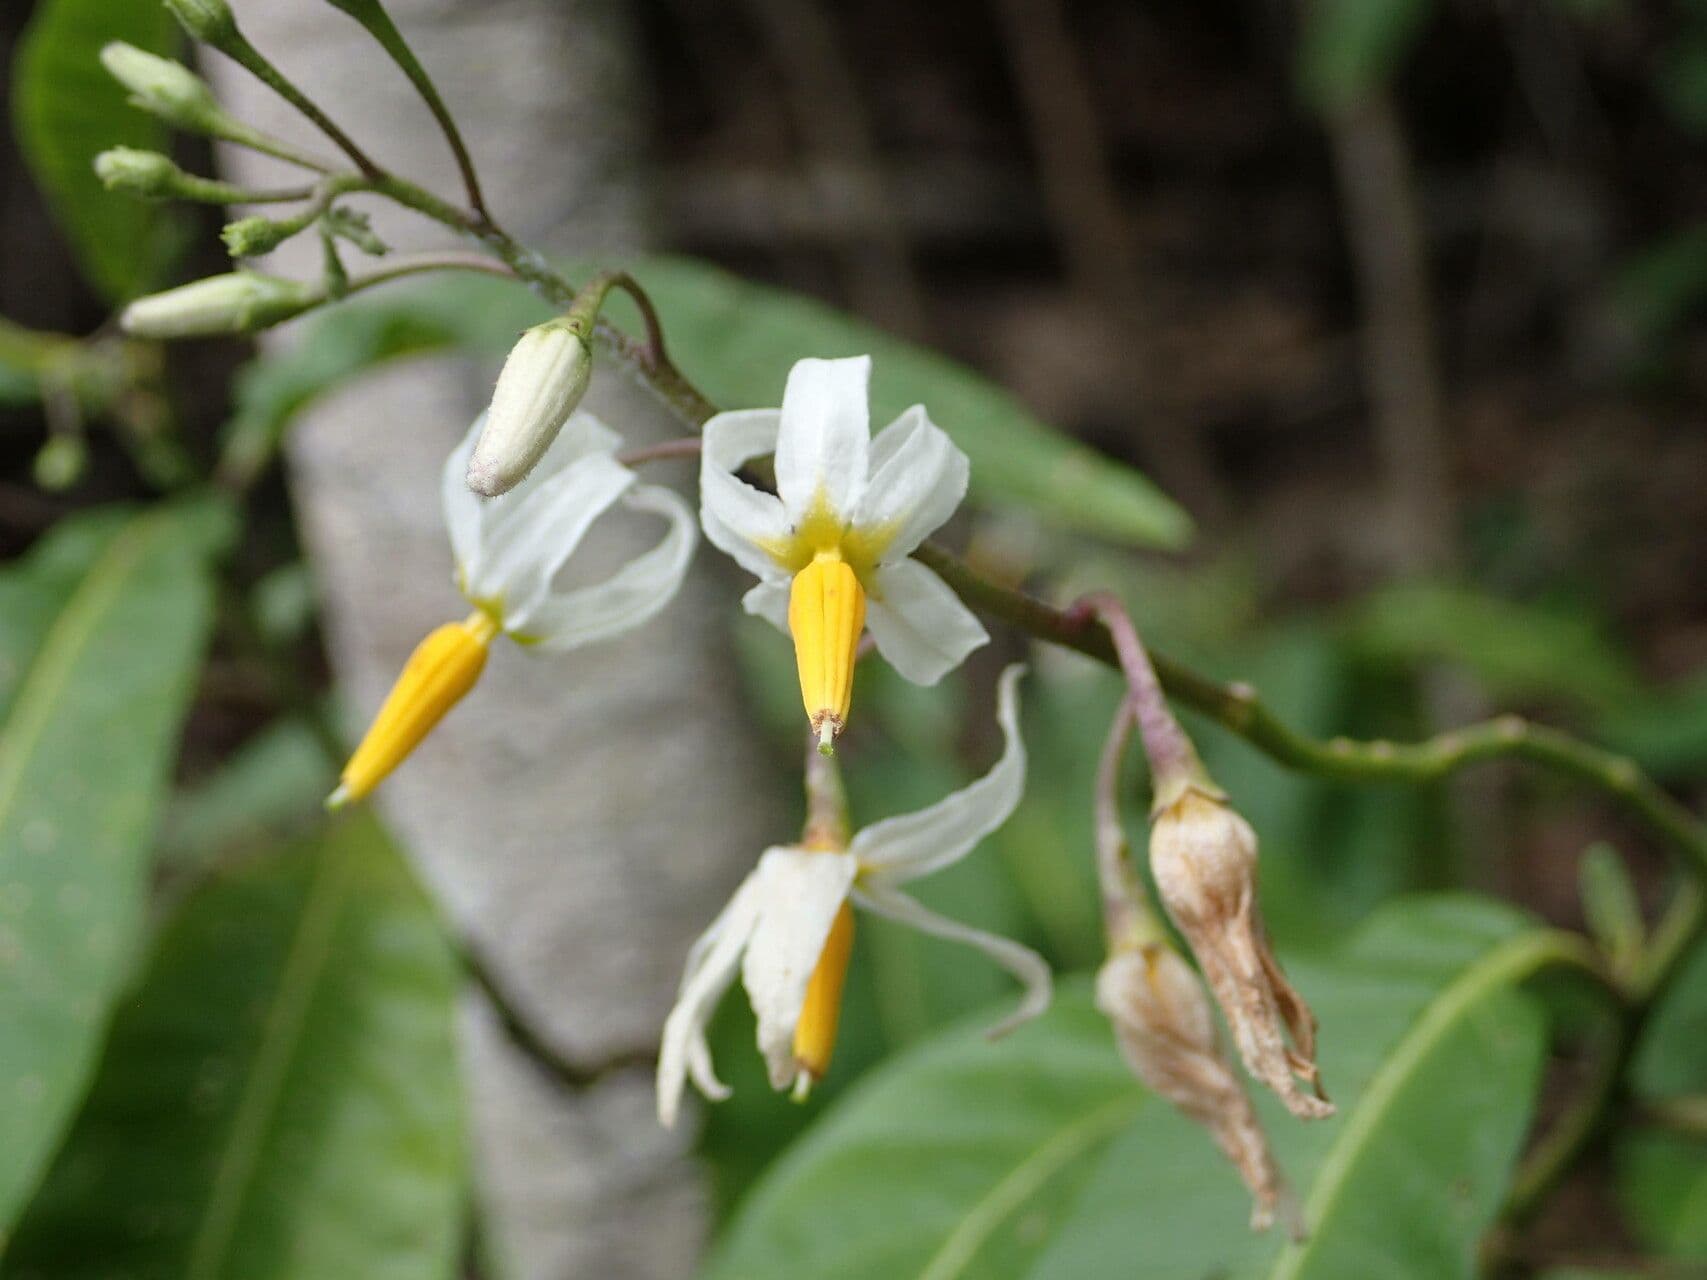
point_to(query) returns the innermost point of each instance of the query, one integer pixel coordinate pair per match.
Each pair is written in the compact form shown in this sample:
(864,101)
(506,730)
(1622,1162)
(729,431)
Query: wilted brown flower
(1166,1034)
(1204,858)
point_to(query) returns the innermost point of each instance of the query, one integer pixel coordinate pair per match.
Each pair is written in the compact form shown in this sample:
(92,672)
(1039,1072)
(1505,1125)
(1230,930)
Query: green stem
(235,45)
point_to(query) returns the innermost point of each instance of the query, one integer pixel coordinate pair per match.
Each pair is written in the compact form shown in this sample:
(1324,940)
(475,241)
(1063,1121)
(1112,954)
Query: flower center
(442,669)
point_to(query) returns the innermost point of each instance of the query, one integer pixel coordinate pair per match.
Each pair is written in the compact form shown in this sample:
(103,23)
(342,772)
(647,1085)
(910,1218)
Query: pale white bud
(1204,859)
(162,87)
(1166,1033)
(543,379)
(238,302)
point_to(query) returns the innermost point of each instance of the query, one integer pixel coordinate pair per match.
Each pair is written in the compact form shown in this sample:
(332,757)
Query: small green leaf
(101,633)
(1350,47)
(67,110)
(279,1099)
(1039,1157)
(738,340)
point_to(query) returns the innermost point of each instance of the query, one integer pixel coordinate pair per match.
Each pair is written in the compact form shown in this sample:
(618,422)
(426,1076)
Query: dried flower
(1166,1033)
(1204,859)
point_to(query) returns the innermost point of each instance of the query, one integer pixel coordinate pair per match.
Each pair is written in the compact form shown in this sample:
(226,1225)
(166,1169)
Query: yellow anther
(826,613)
(442,669)
(815,1033)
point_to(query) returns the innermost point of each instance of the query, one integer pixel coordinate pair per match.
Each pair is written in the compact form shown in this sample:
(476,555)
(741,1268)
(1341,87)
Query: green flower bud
(251,237)
(60,462)
(139,173)
(543,379)
(162,87)
(210,21)
(238,302)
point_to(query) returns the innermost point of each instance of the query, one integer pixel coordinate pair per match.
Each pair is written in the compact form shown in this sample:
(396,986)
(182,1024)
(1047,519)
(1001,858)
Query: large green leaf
(101,634)
(67,109)
(279,1098)
(737,341)
(1040,1158)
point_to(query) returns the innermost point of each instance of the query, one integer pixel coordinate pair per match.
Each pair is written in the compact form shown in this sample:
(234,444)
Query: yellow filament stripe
(815,1033)
(826,613)
(442,669)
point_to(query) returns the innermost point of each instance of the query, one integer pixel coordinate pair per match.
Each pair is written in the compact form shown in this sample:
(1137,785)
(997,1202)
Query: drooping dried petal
(1166,1034)
(1204,858)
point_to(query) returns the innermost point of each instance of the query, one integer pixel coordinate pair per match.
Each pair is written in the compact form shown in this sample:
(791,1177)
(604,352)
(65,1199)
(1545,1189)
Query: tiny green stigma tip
(338,799)
(826,737)
(802,1087)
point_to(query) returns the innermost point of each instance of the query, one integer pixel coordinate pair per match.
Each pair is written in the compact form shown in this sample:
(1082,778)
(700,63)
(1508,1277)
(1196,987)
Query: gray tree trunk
(580,817)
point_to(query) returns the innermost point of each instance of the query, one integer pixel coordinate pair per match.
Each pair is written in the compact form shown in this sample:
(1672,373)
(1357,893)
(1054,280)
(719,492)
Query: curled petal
(739,520)
(712,964)
(802,892)
(919,625)
(1025,964)
(632,595)
(822,447)
(918,478)
(902,848)
(526,544)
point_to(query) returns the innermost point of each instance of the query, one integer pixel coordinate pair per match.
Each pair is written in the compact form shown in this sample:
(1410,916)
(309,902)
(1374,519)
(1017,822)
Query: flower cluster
(826,516)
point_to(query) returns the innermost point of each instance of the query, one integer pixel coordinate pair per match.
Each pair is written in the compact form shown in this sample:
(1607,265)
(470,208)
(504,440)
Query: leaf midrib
(1505,965)
(1003,1199)
(67,638)
(304,964)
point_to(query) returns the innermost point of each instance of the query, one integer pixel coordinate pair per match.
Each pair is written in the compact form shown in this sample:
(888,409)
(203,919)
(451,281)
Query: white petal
(737,517)
(464,510)
(712,963)
(769,600)
(529,541)
(918,624)
(801,895)
(903,848)
(1021,961)
(632,595)
(826,434)
(918,478)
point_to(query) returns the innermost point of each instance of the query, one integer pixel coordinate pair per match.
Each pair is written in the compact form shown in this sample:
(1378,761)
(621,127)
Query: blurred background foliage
(1178,234)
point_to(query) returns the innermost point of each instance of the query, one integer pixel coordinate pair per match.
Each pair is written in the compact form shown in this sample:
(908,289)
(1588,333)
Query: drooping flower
(508,551)
(788,929)
(1204,859)
(831,547)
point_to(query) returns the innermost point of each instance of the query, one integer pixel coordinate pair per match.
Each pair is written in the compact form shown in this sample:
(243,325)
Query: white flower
(508,551)
(787,930)
(831,548)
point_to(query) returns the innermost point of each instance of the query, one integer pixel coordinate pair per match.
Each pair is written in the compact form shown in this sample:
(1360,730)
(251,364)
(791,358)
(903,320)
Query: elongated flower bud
(439,673)
(826,614)
(238,302)
(163,87)
(815,1033)
(139,173)
(543,379)
(1204,859)
(1165,1032)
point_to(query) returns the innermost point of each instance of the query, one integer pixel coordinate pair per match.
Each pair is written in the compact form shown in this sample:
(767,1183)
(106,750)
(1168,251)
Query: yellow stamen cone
(442,669)
(815,1033)
(826,614)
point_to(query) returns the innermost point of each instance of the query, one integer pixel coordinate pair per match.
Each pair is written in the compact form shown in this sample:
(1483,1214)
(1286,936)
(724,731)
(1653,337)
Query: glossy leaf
(1038,1157)
(279,1100)
(101,633)
(738,340)
(67,109)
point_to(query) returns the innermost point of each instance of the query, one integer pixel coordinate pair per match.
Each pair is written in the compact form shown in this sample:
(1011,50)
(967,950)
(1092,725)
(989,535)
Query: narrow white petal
(529,541)
(918,624)
(918,478)
(826,434)
(713,961)
(1021,961)
(738,519)
(910,845)
(769,600)
(464,510)
(632,595)
(802,893)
